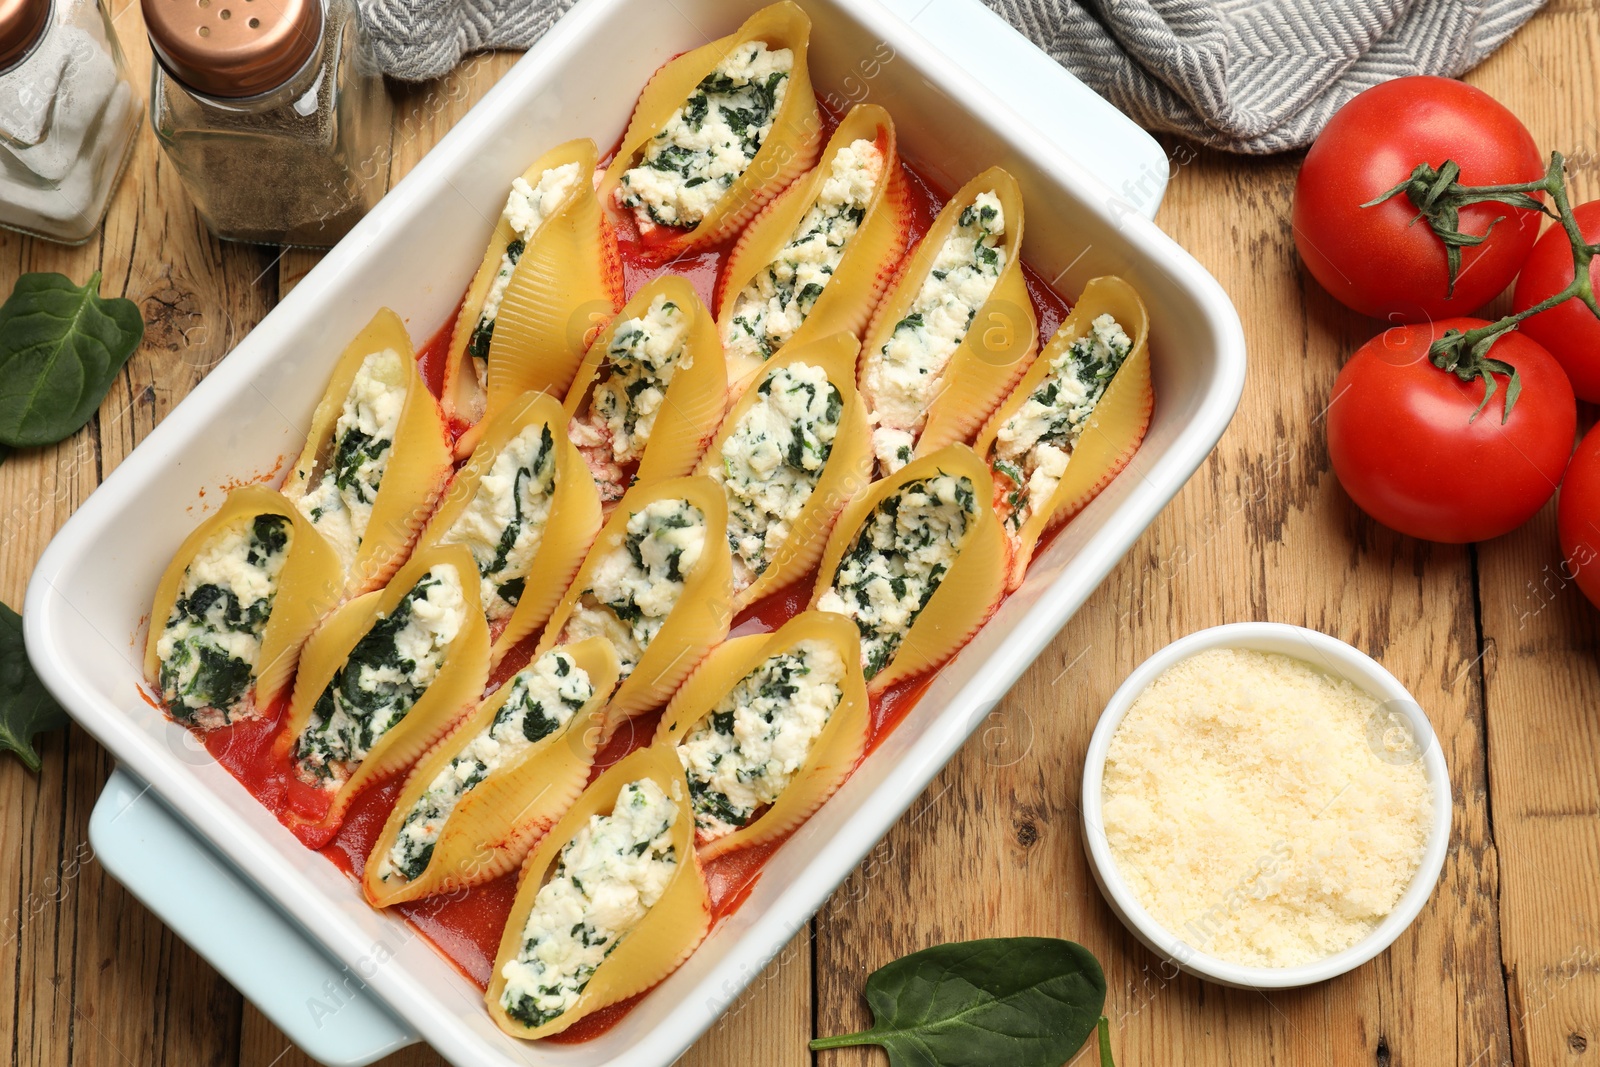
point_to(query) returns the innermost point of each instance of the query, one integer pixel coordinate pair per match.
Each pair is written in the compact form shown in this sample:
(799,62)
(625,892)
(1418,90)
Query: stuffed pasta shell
(611,901)
(718,132)
(384,677)
(789,455)
(550,275)
(956,330)
(476,803)
(376,458)
(917,562)
(651,390)
(657,585)
(816,259)
(241,595)
(767,728)
(1074,420)
(525,507)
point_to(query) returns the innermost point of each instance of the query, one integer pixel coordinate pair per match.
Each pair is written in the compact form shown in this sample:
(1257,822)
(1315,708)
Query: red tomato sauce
(466,927)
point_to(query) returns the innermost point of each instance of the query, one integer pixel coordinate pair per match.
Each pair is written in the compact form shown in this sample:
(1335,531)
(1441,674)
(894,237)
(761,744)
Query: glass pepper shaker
(67,117)
(273,112)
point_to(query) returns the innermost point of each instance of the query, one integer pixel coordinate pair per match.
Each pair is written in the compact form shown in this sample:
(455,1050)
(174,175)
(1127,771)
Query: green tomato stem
(1438,197)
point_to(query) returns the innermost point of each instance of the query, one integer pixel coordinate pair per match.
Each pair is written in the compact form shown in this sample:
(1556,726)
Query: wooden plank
(1542,667)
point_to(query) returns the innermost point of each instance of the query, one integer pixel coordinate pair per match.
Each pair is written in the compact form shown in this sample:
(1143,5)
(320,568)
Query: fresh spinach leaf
(25,707)
(61,347)
(1020,1001)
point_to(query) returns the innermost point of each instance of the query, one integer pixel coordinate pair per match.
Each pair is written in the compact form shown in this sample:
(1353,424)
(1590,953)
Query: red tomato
(1569,331)
(1404,448)
(1578,516)
(1373,259)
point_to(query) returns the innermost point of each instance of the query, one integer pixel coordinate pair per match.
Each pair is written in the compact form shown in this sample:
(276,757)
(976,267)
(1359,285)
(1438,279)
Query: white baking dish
(414,253)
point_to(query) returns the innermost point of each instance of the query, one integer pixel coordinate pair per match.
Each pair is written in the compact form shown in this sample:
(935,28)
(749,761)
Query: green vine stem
(1439,197)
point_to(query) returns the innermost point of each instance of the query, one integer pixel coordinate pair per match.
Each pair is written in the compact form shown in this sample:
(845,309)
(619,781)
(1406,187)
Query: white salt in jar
(67,117)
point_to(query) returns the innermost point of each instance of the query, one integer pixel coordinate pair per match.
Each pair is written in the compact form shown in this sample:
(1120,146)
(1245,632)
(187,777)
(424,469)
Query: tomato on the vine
(1578,516)
(1569,331)
(1406,447)
(1373,259)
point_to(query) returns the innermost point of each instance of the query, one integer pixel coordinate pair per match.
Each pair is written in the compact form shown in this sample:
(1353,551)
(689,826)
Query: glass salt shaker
(273,112)
(67,117)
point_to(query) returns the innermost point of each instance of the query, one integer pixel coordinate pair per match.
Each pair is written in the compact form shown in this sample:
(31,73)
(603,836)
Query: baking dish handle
(319,1004)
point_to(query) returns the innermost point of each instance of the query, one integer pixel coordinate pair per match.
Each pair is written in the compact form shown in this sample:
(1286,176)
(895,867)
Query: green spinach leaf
(61,347)
(25,707)
(1020,1001)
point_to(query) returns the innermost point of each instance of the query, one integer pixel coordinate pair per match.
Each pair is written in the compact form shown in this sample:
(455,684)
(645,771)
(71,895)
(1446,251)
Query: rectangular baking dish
(414,252)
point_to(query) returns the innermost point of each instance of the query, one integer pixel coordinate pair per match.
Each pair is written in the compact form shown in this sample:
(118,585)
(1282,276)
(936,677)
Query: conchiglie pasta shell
(789,150)
(310,584)
(834,753)
(498,821)
(567,283)
(999,343)
(662,940)
(698,620)
(968,592)
(1115,429)
(869,259)
(569,530)
(462,675)
(847,472)
(695,398)
(420,458)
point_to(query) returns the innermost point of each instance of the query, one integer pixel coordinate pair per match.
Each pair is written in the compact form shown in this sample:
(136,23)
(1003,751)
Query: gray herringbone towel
(1252,76)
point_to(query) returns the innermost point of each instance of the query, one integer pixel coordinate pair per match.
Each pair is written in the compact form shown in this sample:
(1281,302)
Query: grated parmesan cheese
(1258,812)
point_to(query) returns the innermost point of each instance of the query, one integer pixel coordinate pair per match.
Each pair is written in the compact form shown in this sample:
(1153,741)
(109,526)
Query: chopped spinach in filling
(606,880)
(385,675)
(527,208)
(340,504)
(773,306)
(1032,448)
(743,755)
(210,645)
(634,587)
(772,460)
(543,698)
(903,551)
(503,526)
(630,392)
(709,142)
(906,373)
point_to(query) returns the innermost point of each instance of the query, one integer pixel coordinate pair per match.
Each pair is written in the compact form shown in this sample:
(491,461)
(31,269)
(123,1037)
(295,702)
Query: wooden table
(1504,964)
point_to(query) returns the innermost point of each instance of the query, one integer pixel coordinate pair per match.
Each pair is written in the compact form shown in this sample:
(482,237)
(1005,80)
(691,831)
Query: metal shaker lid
(233,48)
(22,23)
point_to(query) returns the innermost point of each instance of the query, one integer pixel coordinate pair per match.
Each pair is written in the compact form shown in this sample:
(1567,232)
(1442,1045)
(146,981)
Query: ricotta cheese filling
(744,754)
(339,505)
(906,372)
(1031,449)
(504,523)
(210,645)
(385,675)
(904,550)
(773,306)
(709,142)
(544,696)
(634,587)
(606,880)
(527,208)
(641,360)
(772,460)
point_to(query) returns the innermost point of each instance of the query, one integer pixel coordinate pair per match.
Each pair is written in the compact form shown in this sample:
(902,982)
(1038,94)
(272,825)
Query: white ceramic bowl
(1338,660)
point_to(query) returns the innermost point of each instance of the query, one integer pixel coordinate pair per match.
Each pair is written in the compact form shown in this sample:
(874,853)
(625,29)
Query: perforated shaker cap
(22,23)
(233,48)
